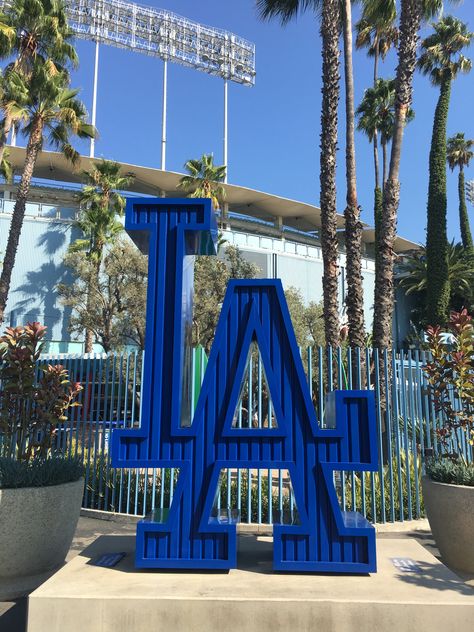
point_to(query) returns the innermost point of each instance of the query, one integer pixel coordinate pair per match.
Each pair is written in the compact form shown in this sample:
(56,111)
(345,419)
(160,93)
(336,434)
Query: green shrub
(453,472)
(407,472)
(39,472)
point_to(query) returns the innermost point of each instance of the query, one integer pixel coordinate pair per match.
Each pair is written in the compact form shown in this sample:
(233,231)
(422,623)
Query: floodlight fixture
(161,33)
(470,191)
(166,35)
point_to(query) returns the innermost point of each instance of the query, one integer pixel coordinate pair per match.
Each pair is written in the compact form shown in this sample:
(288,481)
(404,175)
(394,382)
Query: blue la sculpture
(201,444)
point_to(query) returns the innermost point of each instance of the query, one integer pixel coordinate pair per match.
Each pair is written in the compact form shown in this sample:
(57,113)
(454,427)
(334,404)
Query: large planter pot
(450,511)
(37,525)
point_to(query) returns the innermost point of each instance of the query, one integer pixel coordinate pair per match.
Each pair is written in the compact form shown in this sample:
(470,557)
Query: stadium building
(279,235)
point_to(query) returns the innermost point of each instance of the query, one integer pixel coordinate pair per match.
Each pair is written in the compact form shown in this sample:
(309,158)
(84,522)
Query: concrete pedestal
(85,598)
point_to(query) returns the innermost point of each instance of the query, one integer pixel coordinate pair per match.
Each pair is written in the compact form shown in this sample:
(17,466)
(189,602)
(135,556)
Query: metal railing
(406,425)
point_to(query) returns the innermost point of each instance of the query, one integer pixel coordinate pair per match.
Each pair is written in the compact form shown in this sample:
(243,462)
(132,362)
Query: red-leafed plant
(450,374)
(34,397)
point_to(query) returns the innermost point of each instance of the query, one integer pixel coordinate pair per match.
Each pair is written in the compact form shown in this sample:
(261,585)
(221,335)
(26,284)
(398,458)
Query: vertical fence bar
(372,474)
(96,463)
(91,403)
(380,434)
(405,434)
(396,425)
(388,433)
(413,433)
(79,413)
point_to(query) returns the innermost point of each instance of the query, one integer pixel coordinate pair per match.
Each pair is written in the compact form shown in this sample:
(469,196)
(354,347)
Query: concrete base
(253,598)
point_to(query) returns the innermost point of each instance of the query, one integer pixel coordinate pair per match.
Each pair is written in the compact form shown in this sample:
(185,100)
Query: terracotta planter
(450,511)
(37,525)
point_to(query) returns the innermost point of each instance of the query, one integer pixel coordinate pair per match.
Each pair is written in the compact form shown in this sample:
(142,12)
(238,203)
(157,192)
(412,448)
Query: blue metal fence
(406,423)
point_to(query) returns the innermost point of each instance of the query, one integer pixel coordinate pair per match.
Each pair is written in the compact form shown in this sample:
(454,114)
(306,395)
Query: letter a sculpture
(254,312)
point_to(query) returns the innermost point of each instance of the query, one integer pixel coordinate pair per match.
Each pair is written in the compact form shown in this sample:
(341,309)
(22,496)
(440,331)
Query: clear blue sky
(273,127)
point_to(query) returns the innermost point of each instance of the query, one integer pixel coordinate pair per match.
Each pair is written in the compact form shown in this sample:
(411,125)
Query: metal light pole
(94,94)
(226,104)
(163,114)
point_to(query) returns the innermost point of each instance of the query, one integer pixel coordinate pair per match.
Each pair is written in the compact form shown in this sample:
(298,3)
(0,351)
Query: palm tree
(353,225)
(53,109)
(459,154)
(411,15)
(286,10)
(376,30)
(101,204)
(376,114)
(203,179)
(32,31)
(6,170)
(442,60)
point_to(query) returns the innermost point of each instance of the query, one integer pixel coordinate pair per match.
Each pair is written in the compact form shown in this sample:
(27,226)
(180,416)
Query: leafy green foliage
(451,472)
(203,179)
(405,486)
(211,276)
(39,472)
(376,30)
(112,305)
(101,203)
(441,56)
(450,374)
(33,397)
(376,112)
(414,280)
(307,319)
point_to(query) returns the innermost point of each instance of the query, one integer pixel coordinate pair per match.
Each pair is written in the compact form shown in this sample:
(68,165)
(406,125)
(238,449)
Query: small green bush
(39,472)
(452,472)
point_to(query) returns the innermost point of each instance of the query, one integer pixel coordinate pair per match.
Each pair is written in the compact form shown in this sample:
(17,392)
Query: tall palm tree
(286,10)
(376,114)
(376,30)
(442,60)
(353,225)
(412,12)
(203,179)
(32,31)
(53,110)
(101,203)
(459,154)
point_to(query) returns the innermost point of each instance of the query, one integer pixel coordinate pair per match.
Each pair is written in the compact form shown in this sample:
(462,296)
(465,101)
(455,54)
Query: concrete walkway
(13,614)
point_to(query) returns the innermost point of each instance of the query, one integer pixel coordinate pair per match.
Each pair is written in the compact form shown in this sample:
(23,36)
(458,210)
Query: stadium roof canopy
(53,166)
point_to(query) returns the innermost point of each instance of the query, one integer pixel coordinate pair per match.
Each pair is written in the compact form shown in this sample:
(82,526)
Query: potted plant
(448,487)
(40,491)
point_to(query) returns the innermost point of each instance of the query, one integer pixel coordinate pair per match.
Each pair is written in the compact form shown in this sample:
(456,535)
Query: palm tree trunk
(32,150)
(410,20)
(437,271)
(376,163)
(355,292)
(384,163)
(466,234)
(376,59)
(5,130)
(89,336)
(330,100)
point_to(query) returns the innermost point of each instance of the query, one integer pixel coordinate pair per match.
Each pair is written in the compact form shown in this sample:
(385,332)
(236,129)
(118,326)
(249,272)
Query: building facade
(280,236)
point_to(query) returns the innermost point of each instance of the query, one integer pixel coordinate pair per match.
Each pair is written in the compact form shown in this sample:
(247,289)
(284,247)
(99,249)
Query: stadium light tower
(162,34)
(170,37)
